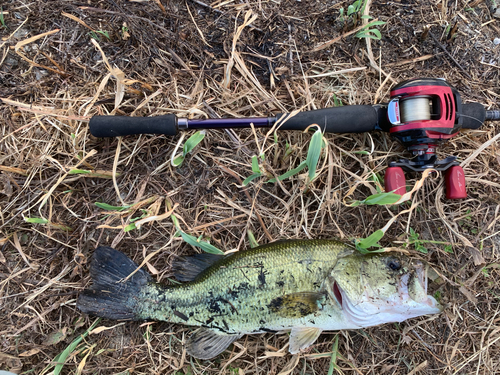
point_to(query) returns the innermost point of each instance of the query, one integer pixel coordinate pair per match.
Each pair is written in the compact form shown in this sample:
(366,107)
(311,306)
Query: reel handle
(455,183)
(394,180)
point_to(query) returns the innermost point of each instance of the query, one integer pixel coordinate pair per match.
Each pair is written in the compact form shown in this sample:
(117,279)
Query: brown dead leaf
(24,42)
(56,336)
(102,329)
(13,170)
(29,353)
(420,367)
(477,257)
(407,339)
(467,293)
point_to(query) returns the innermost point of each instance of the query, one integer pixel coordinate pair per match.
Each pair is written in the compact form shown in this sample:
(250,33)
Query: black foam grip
(116,126)
(345,119)
(473,115)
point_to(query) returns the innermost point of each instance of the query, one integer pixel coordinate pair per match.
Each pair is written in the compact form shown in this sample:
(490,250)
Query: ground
(63,61)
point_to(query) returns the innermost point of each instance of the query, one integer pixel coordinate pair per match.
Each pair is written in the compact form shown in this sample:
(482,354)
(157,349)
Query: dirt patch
(173,56)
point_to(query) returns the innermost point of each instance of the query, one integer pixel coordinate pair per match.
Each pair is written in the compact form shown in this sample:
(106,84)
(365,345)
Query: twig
(335,40)
(449,55)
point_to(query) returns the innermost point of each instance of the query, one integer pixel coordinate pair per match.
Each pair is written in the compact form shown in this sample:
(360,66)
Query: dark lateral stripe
(181,315)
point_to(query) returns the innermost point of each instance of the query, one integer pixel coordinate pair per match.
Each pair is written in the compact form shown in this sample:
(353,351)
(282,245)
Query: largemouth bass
(302,286)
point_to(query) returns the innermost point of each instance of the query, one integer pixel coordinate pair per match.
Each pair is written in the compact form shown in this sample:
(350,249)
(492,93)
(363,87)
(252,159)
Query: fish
(301,286)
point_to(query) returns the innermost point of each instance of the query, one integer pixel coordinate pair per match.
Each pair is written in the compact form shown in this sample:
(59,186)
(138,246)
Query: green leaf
(421,248)
(175,221)
(315,147)
(178,160)
(255,164)
(251,239)
(193,141)
(333,358)
(290,173)
(362,152)
(205,246)
(382,199)
(371,240)
(437,296)
(79,171)
(368,34)
(129,227)
(377,23)
(251,178)
(109,207)
(36,220)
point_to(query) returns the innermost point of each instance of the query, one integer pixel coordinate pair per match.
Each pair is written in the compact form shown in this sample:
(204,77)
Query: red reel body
(439,121)
(423,113)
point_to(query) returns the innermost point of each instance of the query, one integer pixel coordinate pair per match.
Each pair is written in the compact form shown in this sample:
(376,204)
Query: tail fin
(108,297)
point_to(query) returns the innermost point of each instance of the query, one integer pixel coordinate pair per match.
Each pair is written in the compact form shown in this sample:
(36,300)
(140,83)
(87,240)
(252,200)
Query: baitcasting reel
(424,113)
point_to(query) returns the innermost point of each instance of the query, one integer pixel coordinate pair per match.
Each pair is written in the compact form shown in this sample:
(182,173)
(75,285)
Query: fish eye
(394,264)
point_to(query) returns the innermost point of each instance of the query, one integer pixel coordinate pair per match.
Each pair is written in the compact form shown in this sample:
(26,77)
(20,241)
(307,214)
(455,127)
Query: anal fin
(205,343)
(302,337)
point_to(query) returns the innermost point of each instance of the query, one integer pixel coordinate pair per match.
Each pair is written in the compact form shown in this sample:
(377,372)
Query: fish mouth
(421,271)
(337,292)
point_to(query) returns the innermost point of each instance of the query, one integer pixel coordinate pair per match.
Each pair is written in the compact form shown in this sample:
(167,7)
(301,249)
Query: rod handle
(117,126)
(345,119)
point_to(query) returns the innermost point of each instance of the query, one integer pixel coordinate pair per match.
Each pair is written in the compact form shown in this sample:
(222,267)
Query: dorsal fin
(188,268)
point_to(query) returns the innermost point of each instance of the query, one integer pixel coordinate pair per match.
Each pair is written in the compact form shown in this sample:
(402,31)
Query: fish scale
(235,295)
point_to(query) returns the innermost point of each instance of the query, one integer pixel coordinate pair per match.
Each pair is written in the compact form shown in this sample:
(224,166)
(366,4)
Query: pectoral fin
(205,343)
(301,338)
(297,305)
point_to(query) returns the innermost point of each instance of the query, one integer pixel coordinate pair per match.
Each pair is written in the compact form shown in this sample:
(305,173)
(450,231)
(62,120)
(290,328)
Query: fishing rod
(422,114)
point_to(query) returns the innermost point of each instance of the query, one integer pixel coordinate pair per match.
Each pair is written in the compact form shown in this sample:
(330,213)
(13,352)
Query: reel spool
(415,109)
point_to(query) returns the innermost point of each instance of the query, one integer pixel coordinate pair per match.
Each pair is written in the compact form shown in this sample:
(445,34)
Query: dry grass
(173,56)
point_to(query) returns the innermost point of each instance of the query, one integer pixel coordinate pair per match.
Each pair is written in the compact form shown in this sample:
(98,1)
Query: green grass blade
(109,207)
(382,199)
(371,240)
(255,164)
(63,356)
(333,359)
(290,173)
(36,220)
(251,178)
(193,141)
(314,152)
(205,246)
(251,239)
(178,160)
(78,171)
